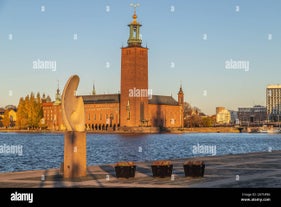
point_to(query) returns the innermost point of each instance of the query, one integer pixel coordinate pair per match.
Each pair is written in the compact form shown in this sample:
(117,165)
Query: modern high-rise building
(273,102)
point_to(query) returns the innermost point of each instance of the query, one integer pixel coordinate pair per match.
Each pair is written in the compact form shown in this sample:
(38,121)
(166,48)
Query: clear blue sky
(188,41)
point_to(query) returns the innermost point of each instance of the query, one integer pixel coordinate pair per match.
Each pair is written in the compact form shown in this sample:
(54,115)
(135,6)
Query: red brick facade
(135,106)
(102,116)
(52,116)
(165,115)
(106,116)
(134,77)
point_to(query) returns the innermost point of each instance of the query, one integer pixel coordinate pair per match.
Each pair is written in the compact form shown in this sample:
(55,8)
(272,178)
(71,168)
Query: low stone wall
(149,130)
(144,130)
(212,130)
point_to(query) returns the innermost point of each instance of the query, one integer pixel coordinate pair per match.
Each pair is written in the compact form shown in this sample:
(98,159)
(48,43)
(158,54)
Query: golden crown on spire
(135,15)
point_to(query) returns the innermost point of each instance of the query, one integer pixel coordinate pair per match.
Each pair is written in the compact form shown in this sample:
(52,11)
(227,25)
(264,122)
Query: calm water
(43,151)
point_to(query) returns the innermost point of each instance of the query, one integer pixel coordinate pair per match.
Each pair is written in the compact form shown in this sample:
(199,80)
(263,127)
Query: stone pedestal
(75,160)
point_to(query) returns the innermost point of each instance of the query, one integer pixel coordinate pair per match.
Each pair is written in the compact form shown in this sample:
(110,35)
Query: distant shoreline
(168,131)
(30,131)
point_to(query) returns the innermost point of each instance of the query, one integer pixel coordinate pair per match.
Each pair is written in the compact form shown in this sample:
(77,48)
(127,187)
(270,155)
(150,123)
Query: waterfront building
(273,102)
(256,114)
(135,106)
(222,115)
(234,117)
(12,114)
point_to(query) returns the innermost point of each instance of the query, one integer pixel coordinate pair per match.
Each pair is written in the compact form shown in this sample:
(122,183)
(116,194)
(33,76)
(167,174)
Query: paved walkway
(253,170)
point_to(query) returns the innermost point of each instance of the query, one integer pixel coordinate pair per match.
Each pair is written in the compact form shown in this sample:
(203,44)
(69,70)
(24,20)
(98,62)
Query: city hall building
(135,106)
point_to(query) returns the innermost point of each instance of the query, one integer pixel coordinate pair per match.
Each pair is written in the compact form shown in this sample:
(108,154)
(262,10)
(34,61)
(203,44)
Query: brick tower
(181,103)
(134,79)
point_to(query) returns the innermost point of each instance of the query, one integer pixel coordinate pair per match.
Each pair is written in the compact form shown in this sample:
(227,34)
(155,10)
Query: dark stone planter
(194,170)
(125,171)
(162,170)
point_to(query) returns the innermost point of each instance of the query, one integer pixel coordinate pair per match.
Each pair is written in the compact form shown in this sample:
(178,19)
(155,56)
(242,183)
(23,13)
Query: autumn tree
(193,117)
(39,110)
(207,122)
(193,121)
(29,112)
(21,115)
(6,119)
(187,109)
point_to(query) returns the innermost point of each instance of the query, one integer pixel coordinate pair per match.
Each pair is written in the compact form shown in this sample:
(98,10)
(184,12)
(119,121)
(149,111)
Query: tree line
(193,117)
(29,112)
(6,121)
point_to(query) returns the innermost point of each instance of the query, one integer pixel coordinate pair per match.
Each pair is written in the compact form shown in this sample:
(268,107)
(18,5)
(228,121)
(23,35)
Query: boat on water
(274,131)
(270,131)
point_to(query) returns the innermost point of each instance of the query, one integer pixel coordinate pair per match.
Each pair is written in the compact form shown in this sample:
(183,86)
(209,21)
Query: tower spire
(135,6)
(181,104)
(180,95)
(58,89)
(58,96)
(94,89)
(134,37)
